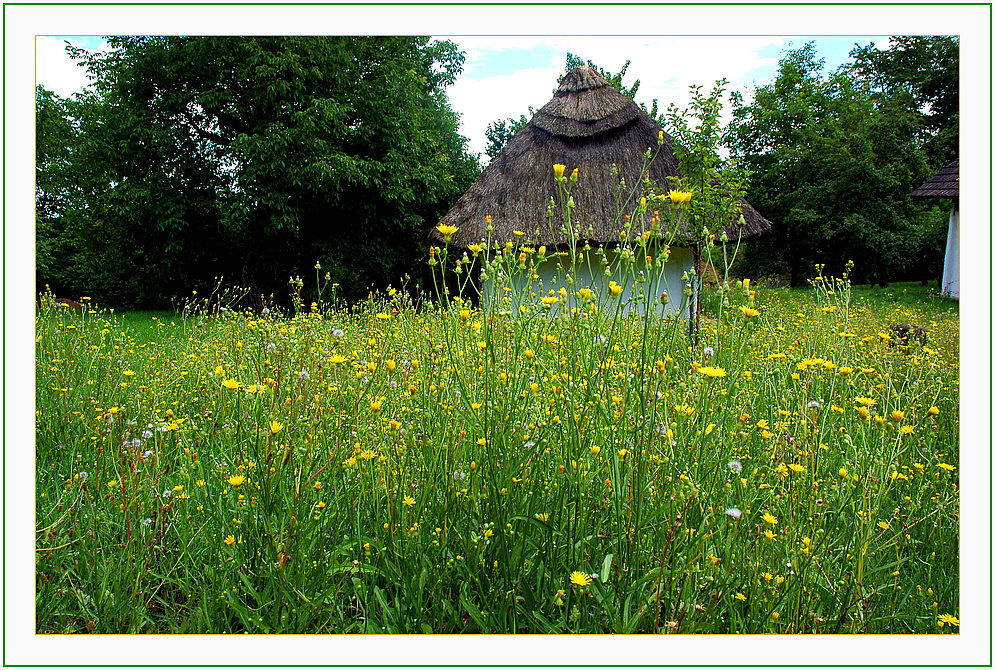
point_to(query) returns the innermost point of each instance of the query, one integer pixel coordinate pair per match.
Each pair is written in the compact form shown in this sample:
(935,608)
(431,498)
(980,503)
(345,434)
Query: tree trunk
(695,303)
(253,295)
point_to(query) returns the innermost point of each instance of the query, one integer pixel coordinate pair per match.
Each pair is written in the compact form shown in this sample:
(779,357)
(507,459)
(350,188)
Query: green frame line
(3,356)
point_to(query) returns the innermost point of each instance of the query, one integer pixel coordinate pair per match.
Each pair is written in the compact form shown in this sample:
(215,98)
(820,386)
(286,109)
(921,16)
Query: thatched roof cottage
(588,126)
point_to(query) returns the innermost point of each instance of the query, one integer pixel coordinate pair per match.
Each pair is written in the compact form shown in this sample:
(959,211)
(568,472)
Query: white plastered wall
(951,260)
(590,273)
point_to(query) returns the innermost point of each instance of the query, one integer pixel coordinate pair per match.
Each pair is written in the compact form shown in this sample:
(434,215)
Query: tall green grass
(464,468)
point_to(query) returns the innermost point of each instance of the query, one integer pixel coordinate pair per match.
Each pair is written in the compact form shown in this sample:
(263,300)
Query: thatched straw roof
(944,184)
(587,125)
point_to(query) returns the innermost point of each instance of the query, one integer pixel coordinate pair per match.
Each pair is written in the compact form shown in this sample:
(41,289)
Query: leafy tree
(926,67)
(254,157)
(499,133)
(716,182)
(832,169)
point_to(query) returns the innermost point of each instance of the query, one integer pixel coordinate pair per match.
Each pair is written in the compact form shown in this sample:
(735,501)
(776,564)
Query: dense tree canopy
(832,165)
(252,157)
(927,68)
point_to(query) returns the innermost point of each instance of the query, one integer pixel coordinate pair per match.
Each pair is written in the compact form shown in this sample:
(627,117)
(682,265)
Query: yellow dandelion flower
(409,501)
(275,427)
(947,619)
(769,518)
(230,540)
(679,197)
(712,372)
(447,231)
(580,578)
(236,480)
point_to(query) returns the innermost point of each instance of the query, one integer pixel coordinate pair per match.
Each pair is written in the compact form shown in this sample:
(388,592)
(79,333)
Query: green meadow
(451,467)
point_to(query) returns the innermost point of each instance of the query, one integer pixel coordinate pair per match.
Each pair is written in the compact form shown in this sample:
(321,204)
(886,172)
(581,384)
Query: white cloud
(481,101)
(55,70)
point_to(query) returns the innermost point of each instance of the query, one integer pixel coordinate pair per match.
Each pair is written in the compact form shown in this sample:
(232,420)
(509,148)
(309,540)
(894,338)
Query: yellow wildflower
(580,578)
(446,230)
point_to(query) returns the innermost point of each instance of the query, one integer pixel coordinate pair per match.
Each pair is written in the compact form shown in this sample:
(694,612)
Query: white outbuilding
(946,184)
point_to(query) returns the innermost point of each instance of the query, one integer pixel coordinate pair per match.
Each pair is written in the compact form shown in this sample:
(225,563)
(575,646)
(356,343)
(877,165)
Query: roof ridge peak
(581,78)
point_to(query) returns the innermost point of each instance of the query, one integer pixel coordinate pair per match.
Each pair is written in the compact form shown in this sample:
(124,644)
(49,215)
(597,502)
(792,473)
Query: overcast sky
(503,76)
